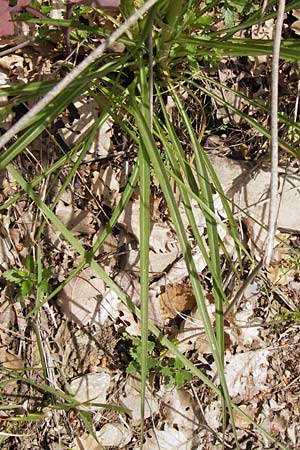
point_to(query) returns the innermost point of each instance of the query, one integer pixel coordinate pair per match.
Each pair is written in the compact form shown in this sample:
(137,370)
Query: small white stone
(91,387)
(114,435)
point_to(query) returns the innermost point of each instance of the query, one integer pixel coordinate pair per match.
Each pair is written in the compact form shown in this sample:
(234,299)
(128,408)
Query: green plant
(170,370)
(27,280)
(164,56)
(232,11)
(286,318)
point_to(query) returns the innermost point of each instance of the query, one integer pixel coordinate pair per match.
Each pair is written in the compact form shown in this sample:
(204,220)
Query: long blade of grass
(250,120)
(88,256)
(236,47)
(144,178)
(162,338)
(183,166)
(212,235)
(76,72)
(45,117)
(186,251)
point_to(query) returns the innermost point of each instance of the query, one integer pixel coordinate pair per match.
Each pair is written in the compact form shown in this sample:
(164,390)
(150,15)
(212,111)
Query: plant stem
(273,211)
(78,70)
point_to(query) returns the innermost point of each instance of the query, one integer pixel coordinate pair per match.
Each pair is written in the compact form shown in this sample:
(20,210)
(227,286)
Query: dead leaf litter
(78,341)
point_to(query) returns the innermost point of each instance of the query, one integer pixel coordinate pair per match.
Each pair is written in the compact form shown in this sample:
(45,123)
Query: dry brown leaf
(132,399)
(246,373)
(132,289)
(213,414)
(191,335)
(109,246)
(91,387)
(240,421)
(178,271)
(154,208)
(7,253)
(256,237)
(85,300)
(167,439)
(106,186)
(197,213)
(158,262)
(88,112)
(86,442)
(176,299)
(262,31)
(249,189)
(181,411)
(10,360)
(282,271)
(234,100)
(76,220)
(161,237)
(296,25)
(243,336)
(12,62)
(114,435)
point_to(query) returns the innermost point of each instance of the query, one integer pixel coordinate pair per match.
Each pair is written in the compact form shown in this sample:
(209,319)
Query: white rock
(114,435)
(248,186)
(132,400)
(91,387)
(167,439)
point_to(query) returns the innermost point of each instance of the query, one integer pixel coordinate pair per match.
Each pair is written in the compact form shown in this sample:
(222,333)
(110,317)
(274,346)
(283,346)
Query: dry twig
(91,58)
(273,211)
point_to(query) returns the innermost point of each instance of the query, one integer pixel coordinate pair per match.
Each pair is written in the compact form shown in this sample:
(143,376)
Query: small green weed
(233,11)
(27,280)
(170,370)
(286,318)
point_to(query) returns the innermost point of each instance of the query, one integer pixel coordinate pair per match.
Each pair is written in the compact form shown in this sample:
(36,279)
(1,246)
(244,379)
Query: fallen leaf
(246,373)
(167,439)
(176,299)
(76,220)
(10,360)
(178,271)
(132,399)
(241,334)
(248,186)
(296,25)
(191,335)
(87,113)
(158,262)
(181,411)
(240,421)
(86,442)
(106,186)
(85,300)
(213,414)
(161,237)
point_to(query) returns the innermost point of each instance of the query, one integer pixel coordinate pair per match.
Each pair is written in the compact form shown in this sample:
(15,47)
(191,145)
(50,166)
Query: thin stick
(150,60)
(17,47)
(273,211)
(236,300)
(91,58)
